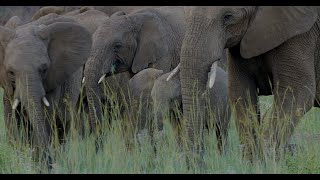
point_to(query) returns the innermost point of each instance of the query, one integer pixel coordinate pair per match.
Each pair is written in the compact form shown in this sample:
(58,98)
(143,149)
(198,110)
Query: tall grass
(78,154)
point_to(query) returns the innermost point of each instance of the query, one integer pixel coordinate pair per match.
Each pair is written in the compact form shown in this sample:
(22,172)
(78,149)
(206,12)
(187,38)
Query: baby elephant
(166,95)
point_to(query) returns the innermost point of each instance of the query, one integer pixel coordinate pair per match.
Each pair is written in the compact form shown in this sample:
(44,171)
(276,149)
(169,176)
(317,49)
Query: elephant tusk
(15,104)
(102,78)
(83,79)
(45,101)
(213,74)
(174,72)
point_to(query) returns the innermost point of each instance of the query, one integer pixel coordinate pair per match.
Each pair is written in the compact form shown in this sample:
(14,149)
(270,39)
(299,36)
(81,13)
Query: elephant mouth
(119,70)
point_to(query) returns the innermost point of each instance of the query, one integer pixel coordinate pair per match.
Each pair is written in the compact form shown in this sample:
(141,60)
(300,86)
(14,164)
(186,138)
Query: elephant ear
(47,10)
(69,46)
(152,42)
(13,22)
(6,35)
(274,25)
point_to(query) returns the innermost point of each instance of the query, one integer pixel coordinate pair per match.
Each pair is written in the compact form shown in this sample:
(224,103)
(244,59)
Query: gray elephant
(35,60)
(72,10)
(273,50)
(90,19)
(131,43)
(23,12)
(166,95)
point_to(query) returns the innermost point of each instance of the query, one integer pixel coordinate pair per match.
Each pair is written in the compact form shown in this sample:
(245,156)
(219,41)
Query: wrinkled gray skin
(166,96)
(271,49)
(90,19)
(71,10)
(131,43)
(140,87)
(35,59)
(23,12)
(110,10)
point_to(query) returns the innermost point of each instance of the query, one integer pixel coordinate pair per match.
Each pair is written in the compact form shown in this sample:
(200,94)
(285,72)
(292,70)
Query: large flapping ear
(6,35)
(47,10)
(152,41)
(13,22)
(274,25)
(68,49)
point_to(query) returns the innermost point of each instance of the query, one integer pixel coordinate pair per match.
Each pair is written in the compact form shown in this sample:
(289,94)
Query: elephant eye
(11,75)
(117,46)
(227,18)
(43,71)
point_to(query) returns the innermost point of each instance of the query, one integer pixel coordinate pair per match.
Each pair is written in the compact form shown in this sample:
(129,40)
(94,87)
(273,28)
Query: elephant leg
(222,125)
(244,99)
(69,101)
(295,89)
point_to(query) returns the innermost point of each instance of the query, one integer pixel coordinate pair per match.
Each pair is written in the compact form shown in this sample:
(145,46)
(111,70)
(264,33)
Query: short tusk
(45,101)
(83,79)
(174,72)
(15,103)
(213,73)
(102,78)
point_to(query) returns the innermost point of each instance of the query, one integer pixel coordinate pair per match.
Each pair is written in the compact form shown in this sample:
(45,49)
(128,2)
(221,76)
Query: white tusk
(15,103)
(102,78)
(213,73)
(83,79)
(45,101)
(174,72)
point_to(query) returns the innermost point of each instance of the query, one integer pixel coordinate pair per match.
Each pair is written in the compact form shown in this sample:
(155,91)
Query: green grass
(79,156)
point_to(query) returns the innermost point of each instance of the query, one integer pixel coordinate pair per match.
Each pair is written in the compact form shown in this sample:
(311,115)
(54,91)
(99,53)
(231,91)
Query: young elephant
(139,110)
(35,60)
(166,97)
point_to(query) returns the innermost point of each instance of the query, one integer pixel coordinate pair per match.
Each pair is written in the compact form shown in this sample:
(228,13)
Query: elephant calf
(166,96)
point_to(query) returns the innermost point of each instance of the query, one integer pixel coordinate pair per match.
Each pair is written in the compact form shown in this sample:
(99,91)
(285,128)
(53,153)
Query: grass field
(79,155)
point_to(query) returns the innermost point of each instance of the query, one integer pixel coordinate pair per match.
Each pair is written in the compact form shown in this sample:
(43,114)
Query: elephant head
(255,30)
(124,43)
(35,59)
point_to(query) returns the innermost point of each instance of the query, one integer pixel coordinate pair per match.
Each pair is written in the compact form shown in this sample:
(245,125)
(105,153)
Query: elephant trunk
(197,56)
(94,73)
(31,92)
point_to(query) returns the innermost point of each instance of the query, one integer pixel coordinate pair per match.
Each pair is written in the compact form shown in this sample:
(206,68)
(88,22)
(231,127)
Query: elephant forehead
(209,12)
(25,50)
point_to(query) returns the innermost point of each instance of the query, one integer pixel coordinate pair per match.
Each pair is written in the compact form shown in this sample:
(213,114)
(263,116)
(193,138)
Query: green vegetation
(78,155)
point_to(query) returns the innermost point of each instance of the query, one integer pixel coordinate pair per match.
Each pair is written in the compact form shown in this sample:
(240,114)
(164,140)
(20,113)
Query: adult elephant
(23,12)
(35,60)
(71,10)
(130,43)
(90,19)
(273,50)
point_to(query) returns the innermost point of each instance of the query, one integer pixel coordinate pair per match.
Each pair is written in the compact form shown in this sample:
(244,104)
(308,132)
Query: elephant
(90,19)
(35,60)
(71,10)
(110,10)
(130,43)
(166,96)
(272,51)
(23,12)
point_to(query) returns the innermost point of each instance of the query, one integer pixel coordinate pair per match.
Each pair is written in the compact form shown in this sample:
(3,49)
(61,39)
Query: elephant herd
(206,61)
